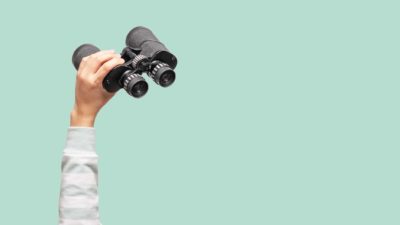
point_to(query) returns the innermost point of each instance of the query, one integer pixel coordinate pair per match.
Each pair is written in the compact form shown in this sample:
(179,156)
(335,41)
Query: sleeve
(79,200)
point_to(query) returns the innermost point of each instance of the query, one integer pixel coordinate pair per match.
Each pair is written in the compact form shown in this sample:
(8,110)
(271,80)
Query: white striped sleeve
(79,200)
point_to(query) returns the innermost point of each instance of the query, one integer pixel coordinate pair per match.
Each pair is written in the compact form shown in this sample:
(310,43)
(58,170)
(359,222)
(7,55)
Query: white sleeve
(79,200)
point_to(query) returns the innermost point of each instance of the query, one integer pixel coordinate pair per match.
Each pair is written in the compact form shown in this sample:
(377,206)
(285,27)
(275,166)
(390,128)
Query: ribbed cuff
(81,139)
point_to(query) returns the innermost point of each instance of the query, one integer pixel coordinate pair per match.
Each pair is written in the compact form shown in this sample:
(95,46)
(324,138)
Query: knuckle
(97,58)
(79,76)
(97,82)
(87,82)
(92,84)
(108,66)
(85,59)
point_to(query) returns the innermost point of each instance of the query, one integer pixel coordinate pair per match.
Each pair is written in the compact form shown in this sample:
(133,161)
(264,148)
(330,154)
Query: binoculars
(143,53)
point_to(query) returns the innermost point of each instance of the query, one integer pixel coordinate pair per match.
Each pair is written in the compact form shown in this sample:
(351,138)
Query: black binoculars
(143,53)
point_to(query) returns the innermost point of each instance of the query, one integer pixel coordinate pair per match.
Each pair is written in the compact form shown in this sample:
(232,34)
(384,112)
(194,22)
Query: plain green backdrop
(283,112)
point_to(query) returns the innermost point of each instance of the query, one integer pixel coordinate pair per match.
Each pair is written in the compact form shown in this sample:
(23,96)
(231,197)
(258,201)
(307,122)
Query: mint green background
(283,112)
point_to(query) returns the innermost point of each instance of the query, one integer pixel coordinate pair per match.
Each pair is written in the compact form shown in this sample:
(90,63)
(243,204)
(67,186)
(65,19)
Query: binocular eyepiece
(143,53)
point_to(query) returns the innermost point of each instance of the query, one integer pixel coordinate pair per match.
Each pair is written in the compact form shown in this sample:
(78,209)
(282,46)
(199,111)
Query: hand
(90,96)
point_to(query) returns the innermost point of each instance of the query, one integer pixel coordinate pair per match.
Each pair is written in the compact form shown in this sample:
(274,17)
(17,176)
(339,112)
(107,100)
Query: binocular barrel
(81,52)
(143,38)
(138,35)
(144,53)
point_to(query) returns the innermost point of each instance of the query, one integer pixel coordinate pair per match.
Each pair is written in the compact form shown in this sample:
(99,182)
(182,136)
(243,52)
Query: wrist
(80,119)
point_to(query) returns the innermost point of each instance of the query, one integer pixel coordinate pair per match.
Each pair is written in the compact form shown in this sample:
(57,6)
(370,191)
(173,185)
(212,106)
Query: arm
(79,200)
(78,196)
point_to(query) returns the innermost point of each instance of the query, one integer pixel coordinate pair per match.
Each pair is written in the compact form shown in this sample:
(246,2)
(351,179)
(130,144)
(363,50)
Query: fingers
(108,66)
(92,63)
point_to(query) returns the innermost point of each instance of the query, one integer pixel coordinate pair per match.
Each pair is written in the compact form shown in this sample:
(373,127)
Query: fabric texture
(79,200)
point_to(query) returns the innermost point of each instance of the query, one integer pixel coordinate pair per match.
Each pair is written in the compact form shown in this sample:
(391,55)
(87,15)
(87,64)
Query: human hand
(90,96)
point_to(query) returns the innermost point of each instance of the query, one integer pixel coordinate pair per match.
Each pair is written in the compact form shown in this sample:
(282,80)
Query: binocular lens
(134,84)
(162,74)
(167,78)
(139,89)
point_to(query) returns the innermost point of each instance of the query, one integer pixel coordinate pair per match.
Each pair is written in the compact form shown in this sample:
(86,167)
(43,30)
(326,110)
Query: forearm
(79,200)
(78,118)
